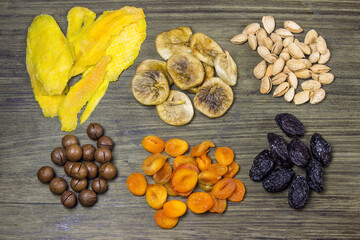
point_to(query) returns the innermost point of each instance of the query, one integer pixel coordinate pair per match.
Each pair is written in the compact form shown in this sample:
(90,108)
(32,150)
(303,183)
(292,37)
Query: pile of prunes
(276,179)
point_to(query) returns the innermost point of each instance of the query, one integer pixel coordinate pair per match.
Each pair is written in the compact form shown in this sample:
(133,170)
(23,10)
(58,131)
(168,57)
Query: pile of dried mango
(98,48)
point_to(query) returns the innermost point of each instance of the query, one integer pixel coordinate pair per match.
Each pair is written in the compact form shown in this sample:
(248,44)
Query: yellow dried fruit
(79,19)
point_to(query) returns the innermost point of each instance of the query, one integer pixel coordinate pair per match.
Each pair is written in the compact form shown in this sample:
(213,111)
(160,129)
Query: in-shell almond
(277,47)
(307,62)
(263,51)
(295,64)
(239,39)
(303,74)
(285,55)
(324,58)
(268,23)
(287,41)
(289,95)
(315,76)
(310,85)
(326,78)
(311,36)
(317,96)
(286,70)
(265,86)
(271,58)
(304,47)
(295,51)
(284,32)
(275,37)
(292,79)
(279,78)
(260,69)
(314,57)
(268,43)
(313,47)
(321,45)
(281,89)
(292,27)
(251,28)
(269,70)
(252,41)
(301,97)
(260,36)
(278,66)
(320,68)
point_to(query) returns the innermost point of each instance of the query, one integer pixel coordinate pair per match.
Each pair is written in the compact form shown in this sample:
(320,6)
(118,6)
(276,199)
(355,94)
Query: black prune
(299,153)
(320,149)
(290,125)
(262,165)
(314,175)
(299,192)
(278,179)
(278,148)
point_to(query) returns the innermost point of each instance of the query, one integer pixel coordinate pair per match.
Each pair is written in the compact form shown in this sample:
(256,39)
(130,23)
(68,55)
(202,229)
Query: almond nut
(278,66)
(326,78)
(324,58)
(295,64)
(239,39)
(286,56)
(303,74)
(286,70)
(315,76)
(317,96)
(260,36)
(252,41)
(268,43)
(269,70)
(319,68)
(260,69)
(275,37)
(311,36)
(263,51)
(284,32)
(289,95)
(314,57)
(304,48)
(281,89)
(279,78)
(310,85)
(307,62)
(321,45)
(295,51)
(251,28)
(292,27)
(287,41)
(271,58)
(265,86)
(301,97)
(277,47)
(268,23)
(292,79)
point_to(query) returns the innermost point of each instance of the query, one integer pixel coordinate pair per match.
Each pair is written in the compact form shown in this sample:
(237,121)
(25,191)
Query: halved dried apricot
(224,155)
(206,188)
(233,168)
(156,195)
(176,147)
(200,202)
(170,190)
(174,208)
(153,144)
(238,194)
(184,180)
(203,161)
(164,174)
(164,221)
(208,177)
(137,184)
(224,188)
(183,159)
(202,147)
(188,166)
(153,163)
(219,204)
(218,169)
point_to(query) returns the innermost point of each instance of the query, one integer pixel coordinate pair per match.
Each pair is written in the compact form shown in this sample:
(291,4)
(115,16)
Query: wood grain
(29,211)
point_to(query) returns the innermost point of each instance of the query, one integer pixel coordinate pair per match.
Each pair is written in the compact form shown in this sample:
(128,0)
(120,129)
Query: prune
(299,192)
(320,149)
(278,179)
(299,153)
(278,148)
(290,125)
(262,165)
(314,175)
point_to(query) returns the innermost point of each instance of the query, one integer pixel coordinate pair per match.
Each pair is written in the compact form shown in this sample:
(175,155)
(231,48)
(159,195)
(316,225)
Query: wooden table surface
(29,211)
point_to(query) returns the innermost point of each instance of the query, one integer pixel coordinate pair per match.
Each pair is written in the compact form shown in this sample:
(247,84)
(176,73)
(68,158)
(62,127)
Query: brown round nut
(102,155)
(58,156)
(87,198)
(88,151)
(73,152)
(92,170)
(58,185)
(105,141)
(99,185)
(78,184)
(69,139)
(107,171)
(68,199)
(45,174)
(67,168)
(79,170)
(94,131)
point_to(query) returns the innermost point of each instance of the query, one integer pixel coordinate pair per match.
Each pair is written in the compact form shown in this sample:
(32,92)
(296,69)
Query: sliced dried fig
(177,110)
(153,64)
(150,87)
(214,98)
(174,40)
(209,73)
(226,68)
(204,48)
(186,70)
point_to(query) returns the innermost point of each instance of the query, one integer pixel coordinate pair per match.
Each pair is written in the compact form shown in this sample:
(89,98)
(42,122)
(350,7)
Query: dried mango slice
(80,94)
(49,54)
(79,19)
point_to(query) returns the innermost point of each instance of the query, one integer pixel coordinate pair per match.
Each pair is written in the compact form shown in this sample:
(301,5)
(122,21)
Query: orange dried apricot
(206,188)
(156,195)
(174,208)
(208,177)
(219,204)
(224,188)
(203,161)
(224,155)
(137,184)
(164,174)
(176,147)
(164,221)
(153,144)
(184,180)
(153,163)
(170,190)
(238,194)
(233,168)
(202,147)
(218,169)
(183,159)
(200,202)
(188,166)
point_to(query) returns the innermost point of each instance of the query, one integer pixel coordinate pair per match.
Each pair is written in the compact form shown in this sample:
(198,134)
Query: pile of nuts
(285,60)
(81,172)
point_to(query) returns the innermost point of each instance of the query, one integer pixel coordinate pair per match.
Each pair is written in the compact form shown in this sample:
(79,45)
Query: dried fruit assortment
(285,156)
(216,179)
(286,60)
(191,63)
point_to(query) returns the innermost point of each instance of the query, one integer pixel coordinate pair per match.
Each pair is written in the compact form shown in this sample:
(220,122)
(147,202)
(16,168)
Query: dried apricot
(238,194)
(170,190)
(219,204)
(153,144)
(224,188)
(202,147)
(174,208)
(184,180)
(206,188)
(176,147)
(203,161)
(164,221)
(156,195)
(183,159)
(224,155)
(200,202)
(153,163)
(208,177)
(233,168)
(188,166)
(218,169)
(164,174)
(137,184)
